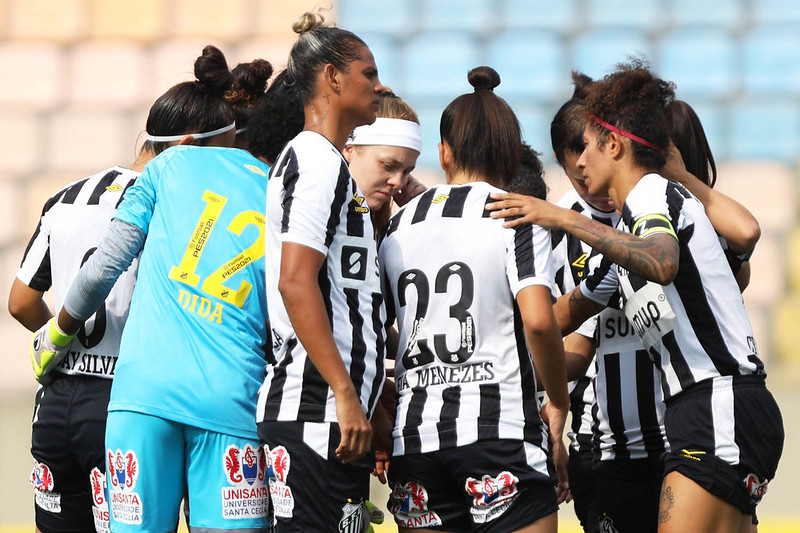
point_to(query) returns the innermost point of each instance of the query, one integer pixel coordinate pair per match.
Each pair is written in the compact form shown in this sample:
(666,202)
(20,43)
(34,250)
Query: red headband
(627,134)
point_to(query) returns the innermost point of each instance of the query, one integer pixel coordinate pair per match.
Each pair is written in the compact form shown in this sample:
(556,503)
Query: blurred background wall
(78,76)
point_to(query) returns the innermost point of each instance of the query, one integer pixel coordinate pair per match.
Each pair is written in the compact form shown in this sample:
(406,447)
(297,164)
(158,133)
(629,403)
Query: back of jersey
(73,222)
(193,348)
(451,273)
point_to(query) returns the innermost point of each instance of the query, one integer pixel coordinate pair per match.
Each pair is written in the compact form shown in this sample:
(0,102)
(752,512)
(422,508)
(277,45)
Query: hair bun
(211,71)
(483,78)
(307,22)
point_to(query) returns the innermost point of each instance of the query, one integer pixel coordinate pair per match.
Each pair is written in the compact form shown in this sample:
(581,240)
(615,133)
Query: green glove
(48,348)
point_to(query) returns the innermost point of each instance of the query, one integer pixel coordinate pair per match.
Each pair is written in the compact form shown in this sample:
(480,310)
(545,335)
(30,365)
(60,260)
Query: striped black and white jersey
(312,200)
(696,327)
(572,258)
(72,224)
(451,274)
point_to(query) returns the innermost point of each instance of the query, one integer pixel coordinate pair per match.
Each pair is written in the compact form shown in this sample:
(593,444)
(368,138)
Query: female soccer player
(325,304)
(470,450)
(182,409)
(682,301)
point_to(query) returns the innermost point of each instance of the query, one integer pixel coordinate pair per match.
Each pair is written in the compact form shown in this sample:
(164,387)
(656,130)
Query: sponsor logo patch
(43,483)
(409,505)
(100,512)
(245,470)
(491,496)
(278,463)
(122,472)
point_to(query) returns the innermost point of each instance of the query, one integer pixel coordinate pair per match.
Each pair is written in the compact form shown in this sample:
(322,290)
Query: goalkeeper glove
(48,348)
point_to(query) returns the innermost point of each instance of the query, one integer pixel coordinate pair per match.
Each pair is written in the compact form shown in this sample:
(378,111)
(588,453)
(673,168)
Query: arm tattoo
(647,258)
(667,502)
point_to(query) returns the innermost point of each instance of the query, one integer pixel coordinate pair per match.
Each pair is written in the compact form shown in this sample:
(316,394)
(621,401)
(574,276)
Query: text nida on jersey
(431,375)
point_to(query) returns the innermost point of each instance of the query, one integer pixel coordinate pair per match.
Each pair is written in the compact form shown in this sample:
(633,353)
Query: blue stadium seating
(530,63)
(561,15)
(776,11)
(726,14)
(369,16)
(462,15)
(772,60)
(765,129)
(436,64)
(595,53)
(535,122)
(387,54)
(701,62)
(714,121)
(643,14)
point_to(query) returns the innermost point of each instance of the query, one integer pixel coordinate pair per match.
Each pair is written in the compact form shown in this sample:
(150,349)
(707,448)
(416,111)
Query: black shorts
(311,489)
(68,448)
(485,486)
(628,492)
(727,436)
(582,486)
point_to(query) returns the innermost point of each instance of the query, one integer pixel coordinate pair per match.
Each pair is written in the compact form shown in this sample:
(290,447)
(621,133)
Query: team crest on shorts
(352,518)
(278,463)
(409,505)
(122,472)
(100,512)
(43,483)
(245,469)
(491,496)
(755,488)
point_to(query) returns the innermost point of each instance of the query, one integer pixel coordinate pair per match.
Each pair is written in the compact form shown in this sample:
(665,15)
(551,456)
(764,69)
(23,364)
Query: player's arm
(302,297)
(730,219)
(573,309)
(544,341)
(654,258)
(578,352)
(27,306)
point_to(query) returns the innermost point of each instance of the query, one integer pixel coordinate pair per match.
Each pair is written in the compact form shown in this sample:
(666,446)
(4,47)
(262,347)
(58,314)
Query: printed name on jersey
(245,470)
(756,488)
(201,306)
(122,472)
(652,224)
(100,512)
(278,463)
(353,518)
(88,363)
(432,375)
(491,496)
(43,483)
(650,313)
(409,505)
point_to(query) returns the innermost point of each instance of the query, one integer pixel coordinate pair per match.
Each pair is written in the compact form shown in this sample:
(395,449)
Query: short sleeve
(529,258)
(34,271)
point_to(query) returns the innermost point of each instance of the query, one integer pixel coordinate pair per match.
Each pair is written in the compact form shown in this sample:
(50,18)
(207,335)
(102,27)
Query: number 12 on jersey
(185,272)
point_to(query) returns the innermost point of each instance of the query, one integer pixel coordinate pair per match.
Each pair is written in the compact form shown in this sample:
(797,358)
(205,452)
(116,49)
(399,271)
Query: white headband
(171,138)
(389,132)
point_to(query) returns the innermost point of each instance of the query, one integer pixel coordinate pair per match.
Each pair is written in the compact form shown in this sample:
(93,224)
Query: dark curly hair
(633,99)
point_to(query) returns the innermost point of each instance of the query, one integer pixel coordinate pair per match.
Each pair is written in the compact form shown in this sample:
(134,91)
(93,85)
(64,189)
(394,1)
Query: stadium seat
(701,62)
(429,114)
(596,53)
(561,16)
(714,122)
(370,16)
(535,123)
(385,48)
(462,15)
(728,14)
(643,14)
(776,11)
(530,63)
(765,129)
(436,64)
(771,61)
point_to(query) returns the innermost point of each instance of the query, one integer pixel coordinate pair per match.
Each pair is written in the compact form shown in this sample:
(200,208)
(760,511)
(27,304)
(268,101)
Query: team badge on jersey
(756,488)
(100,512)
(491,496)
(409,505)
(122,472)
(352,518)
(278,463)
(43,483)
(246,470)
